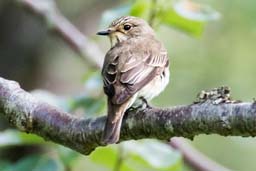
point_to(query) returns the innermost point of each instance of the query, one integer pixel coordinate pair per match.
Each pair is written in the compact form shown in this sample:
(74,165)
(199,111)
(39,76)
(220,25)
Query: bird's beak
(105,32)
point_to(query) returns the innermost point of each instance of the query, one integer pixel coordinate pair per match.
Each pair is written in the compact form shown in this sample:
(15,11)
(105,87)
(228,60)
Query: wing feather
(126,74)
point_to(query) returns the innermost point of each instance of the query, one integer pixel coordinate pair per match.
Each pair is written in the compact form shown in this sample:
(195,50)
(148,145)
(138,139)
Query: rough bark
(83,135)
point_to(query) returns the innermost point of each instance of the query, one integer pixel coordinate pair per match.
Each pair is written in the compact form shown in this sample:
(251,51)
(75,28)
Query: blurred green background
(206,51)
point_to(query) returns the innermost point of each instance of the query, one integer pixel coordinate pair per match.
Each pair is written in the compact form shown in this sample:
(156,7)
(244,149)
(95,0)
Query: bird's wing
(126,73)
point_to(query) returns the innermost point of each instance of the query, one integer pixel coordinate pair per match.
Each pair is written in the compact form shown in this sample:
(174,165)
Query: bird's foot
(142,105)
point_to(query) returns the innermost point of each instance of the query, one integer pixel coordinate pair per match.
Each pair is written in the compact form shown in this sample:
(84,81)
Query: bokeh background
(221,51)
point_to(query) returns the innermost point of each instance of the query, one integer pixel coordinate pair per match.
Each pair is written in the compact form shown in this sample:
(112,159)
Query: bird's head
(126,27)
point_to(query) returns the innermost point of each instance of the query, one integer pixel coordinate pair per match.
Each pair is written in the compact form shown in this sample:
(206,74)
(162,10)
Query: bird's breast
(154,87)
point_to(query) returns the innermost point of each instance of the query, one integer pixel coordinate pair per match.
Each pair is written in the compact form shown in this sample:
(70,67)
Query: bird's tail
(114,121)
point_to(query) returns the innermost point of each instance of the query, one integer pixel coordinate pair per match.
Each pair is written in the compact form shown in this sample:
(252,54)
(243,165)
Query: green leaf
(67,155)
(167,14)
(169,17)
(141,8)
(14,137)
(152,154)
(36,163)
(184,15)
(4,164)
(195,11)
(106,156)
(146,155)
(89,105)
(91,101)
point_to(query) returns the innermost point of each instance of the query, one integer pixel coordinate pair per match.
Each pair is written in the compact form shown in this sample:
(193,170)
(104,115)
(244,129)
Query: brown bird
(135,70)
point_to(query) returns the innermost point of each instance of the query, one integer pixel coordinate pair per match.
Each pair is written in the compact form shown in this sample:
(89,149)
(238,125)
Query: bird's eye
(127,27)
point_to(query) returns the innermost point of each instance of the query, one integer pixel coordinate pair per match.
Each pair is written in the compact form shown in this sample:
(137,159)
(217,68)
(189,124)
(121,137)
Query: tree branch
(83,135)
(68,32)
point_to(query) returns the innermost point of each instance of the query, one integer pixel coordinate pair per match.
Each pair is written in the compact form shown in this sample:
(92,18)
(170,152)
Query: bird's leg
(145,103)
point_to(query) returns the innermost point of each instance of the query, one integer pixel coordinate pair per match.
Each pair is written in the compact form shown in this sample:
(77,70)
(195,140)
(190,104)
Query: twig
(58,23)
(84,135)
(194,158)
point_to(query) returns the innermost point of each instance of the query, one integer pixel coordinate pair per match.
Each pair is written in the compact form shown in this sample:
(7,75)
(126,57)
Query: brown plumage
(135,68)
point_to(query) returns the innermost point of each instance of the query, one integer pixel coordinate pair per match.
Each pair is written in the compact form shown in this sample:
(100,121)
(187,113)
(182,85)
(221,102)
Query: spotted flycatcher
(135,70)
